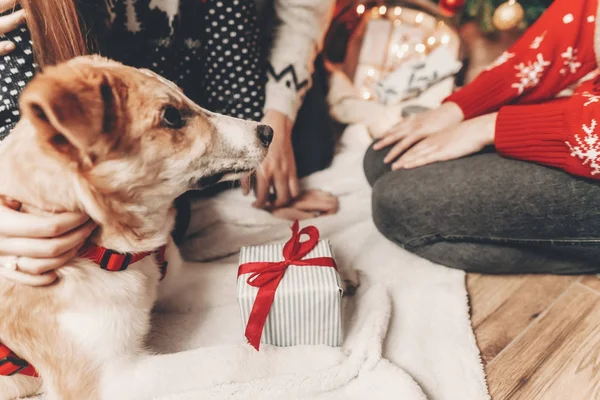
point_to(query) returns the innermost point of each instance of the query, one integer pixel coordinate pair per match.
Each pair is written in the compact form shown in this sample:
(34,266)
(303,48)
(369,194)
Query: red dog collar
(109,260)
(10,364)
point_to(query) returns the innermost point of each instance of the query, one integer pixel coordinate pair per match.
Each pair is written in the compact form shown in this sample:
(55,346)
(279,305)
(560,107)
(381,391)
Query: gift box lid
(325,278)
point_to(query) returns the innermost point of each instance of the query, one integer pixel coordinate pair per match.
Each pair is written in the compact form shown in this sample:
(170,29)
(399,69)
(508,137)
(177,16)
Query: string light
(401,46)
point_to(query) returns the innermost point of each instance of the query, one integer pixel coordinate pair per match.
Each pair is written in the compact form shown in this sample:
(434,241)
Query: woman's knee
(374,166)
(399,213)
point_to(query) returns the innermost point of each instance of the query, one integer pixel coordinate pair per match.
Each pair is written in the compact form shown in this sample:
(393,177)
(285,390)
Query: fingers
(39,266)
(11,21)
(405,124)
(310,204)
(17,224)
(431,158)
(29,280)
(401,147)
(294,186)
(47,248)
(286,184)
(403,128)
(417,152)
(262,187)
(282,191)
(422,154)
(6,47)
(388,140)
(317,201)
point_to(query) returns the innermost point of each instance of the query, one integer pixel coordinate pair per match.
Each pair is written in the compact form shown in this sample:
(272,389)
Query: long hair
(56,30)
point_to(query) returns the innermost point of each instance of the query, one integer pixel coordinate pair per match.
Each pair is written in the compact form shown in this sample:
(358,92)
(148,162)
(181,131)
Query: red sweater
(555,53)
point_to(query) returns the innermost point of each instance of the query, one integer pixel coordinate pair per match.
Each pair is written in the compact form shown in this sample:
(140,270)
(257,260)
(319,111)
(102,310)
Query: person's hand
(462,140)
(310,204)
(278,171)
(8,23)
(33,246)
(417,127)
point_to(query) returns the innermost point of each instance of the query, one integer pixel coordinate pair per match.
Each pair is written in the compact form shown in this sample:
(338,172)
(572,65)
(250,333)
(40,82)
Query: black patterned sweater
(226,55)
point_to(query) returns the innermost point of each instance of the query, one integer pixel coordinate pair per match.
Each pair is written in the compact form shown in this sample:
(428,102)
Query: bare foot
(310,204)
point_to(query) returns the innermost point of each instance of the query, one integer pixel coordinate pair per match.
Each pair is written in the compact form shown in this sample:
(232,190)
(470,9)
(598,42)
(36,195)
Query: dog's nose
(265,134)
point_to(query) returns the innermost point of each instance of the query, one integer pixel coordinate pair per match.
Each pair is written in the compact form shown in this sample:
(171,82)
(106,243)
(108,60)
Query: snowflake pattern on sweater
(571,64)
(592,98)
(537,42)
(504,57)
(529,74)
(588,148)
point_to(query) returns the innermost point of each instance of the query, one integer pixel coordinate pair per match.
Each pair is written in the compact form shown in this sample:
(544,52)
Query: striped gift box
(308,301)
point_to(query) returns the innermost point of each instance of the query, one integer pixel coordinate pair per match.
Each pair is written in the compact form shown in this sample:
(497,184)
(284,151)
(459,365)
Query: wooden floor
(539,336)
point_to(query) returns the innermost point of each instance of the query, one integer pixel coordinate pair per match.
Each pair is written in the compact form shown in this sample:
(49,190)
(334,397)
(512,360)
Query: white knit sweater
(297,40)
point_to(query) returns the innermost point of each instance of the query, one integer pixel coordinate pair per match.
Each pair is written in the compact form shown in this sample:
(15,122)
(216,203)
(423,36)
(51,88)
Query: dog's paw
(350,281)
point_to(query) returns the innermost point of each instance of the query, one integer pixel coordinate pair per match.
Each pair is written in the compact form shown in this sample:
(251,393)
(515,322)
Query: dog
(119,144)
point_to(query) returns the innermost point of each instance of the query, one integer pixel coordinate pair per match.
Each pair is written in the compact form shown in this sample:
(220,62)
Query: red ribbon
(267,275)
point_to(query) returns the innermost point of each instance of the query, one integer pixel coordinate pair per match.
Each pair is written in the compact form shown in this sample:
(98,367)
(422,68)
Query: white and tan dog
(119,144)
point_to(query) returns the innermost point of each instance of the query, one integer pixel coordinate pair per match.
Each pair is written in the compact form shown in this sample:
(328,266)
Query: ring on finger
(12,264)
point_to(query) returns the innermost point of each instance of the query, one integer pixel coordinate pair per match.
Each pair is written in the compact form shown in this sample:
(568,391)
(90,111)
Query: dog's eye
(172,117)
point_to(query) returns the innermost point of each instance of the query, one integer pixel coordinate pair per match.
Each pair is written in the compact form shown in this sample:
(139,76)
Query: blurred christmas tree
(502,15)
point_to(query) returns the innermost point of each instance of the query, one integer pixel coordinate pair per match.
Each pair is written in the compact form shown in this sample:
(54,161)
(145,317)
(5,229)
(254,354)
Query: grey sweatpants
(489,214)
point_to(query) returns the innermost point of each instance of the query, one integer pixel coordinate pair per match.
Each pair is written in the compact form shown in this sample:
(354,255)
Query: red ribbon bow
(267,275)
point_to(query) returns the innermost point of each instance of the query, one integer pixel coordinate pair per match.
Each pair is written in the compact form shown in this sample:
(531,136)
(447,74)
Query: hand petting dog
(35,244)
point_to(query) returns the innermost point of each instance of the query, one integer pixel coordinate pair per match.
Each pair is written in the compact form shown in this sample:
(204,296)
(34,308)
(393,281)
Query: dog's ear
(77,117)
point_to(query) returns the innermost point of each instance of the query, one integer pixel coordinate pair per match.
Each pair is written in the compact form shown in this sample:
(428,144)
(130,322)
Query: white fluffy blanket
(408,333)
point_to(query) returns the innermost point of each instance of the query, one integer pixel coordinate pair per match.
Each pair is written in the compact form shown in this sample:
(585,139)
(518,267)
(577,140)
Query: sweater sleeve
(298,38)
(562,133)
(554,53)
